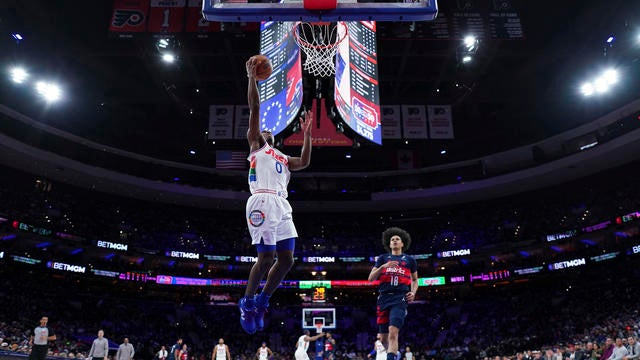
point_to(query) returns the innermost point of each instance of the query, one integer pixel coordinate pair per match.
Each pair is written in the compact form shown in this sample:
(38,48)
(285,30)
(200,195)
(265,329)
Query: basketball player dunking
(302,345)
(398,276)
(268,212)
(221,351)
(263,352)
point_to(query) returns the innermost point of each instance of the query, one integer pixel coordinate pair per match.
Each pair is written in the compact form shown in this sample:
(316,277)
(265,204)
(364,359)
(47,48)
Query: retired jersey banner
(391,126)
(196,22)
(166,16)
(414,122)
(242,122)
(440,121)
(220,122)
(129,17)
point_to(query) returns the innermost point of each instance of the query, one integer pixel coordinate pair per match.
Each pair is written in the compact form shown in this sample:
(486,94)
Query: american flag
(231,160)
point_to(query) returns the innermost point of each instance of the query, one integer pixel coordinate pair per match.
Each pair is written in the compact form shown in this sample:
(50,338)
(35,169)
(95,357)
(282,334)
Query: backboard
(312,316)
(294,10)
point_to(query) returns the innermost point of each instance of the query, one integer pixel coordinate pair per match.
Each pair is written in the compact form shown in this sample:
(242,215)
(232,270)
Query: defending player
(221,351)
(329,347)
(379,350)
(268,212)
(302,345)
(264,352)
(398,276)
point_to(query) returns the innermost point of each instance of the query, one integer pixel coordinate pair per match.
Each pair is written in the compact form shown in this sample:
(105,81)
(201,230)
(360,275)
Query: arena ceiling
(119,92)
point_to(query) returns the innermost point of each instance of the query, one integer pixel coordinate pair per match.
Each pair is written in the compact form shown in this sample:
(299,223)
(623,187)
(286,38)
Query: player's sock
(247,307)
(262,305)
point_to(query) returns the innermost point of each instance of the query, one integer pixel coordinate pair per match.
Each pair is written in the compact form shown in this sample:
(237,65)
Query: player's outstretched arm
(299,163)
(254,137)
(314,338)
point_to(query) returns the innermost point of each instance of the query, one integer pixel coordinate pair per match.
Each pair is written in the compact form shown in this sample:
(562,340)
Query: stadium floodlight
(443,152)
(611,39)
(17,36)
(18,74)
(610,76)
(466,59)
(163,43)
(601,85)
(587,89)
(470,42)
(169,58)
(50,92)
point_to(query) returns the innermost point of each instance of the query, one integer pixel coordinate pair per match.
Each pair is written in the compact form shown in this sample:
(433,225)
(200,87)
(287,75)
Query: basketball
(263,69)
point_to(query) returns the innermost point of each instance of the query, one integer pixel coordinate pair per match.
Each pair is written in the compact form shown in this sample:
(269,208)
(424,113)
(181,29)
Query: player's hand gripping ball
(263,67)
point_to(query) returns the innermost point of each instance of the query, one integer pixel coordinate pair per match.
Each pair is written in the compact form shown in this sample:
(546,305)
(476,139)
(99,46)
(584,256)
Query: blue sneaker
(248,314)
(262,306)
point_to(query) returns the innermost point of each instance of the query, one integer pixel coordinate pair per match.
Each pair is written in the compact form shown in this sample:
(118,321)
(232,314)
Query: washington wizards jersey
(268,171)
(396,279)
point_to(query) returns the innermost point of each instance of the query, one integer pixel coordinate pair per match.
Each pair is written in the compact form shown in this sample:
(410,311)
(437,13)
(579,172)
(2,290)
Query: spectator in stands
(619,351)
(607,349)
(634,349)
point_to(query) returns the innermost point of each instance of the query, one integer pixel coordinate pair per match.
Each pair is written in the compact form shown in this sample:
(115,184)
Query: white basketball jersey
(263,354)
(268,171)
(381,352)
(302,345)
(221,352)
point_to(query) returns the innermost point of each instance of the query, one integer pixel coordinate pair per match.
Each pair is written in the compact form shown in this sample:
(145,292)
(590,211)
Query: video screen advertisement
(281,93)
(356,94)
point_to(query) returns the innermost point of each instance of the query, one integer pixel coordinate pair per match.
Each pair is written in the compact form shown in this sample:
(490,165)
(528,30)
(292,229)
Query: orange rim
(305,43)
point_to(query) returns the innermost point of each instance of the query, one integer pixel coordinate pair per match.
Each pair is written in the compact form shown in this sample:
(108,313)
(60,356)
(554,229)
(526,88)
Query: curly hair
(391,232)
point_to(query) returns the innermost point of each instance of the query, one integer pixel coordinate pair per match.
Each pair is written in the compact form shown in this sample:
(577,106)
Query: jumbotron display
(281,93)
(356,94)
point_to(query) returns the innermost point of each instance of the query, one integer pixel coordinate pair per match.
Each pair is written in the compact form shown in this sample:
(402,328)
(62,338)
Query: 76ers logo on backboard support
(256,218)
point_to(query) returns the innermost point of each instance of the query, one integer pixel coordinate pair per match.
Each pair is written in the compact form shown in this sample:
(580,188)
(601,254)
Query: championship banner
(166,16)
(129,17)
(414,122)
(196,22)
(242,122)
(391,126)
(440,121)
(220,122)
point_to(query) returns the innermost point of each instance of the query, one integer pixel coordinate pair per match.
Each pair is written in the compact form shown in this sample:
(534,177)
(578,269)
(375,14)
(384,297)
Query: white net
(319,41)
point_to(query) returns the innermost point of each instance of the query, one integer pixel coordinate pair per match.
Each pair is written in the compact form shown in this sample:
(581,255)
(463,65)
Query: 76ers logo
(123,17)
(256,218)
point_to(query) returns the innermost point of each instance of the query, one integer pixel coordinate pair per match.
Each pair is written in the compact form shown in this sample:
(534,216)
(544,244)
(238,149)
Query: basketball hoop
(318,328)
(319,41)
